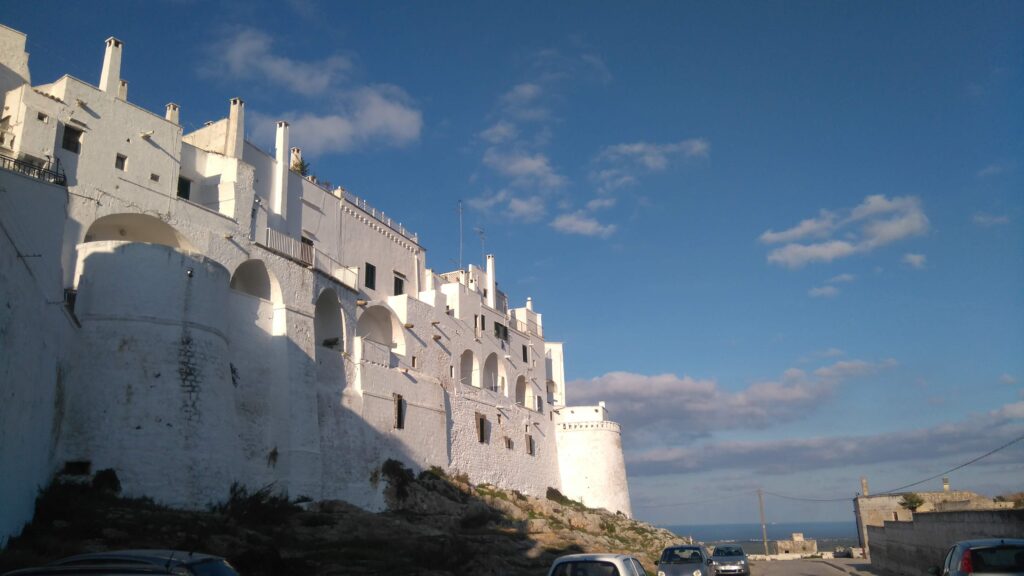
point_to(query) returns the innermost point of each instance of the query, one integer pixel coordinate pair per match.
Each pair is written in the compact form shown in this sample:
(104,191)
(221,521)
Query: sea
(829,535)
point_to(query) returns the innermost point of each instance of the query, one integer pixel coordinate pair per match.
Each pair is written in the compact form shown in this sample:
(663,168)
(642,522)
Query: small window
(451,371)
(481,428)
(43,117)
(120,162)
(371,277)
(483,323)
(184,188)
(72,141)
(154,177)
(399,412)
(531,448)
(508,443)
(526,354)
(414,362)
(501,331)
(399,285)
(540,404)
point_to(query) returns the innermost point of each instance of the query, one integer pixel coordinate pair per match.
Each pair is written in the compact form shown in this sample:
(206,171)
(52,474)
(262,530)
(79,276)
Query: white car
(597,565)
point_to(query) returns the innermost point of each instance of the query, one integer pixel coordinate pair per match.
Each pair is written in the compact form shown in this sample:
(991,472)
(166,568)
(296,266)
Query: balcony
(33,171)
(309,256)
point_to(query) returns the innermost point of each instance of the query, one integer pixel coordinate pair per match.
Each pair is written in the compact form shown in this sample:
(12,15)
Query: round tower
(590,459)
(150,394)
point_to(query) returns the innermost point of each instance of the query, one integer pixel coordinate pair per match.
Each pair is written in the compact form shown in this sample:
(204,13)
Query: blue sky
(784,241)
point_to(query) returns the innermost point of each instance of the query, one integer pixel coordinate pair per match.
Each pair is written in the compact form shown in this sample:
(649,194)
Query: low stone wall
(910,548)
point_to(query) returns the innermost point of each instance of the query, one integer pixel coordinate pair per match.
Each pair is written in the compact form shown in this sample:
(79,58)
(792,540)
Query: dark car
(685,561)
(135,562)
(730,559)
(1002,556)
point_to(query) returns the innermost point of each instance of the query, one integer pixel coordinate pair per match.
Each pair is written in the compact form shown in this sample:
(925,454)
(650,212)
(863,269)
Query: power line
(695,502)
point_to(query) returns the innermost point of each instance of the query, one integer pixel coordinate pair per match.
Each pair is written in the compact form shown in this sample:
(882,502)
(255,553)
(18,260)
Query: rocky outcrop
(436,525)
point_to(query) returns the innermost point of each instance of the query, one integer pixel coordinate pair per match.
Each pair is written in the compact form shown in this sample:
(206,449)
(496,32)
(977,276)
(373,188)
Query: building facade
(189,311)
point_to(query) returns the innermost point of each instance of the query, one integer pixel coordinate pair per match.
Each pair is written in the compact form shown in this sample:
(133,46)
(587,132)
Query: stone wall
(910,548)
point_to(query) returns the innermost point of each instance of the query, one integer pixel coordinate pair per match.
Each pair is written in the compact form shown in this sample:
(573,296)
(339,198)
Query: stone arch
(502,379)
(253,278)
(521,390)
(490,374)
(329,322)
(469,369)
(137,228)
(379,324)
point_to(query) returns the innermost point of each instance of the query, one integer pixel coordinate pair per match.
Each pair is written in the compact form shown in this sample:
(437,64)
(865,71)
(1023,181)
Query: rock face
(435,525)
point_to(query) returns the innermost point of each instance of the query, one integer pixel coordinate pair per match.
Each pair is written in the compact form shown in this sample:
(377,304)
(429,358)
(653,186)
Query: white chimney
(491,299)
(122,90)
(945,484)
(110,76)
(172,113)
(279,192)
(529,303)
(236,129)
(295,158)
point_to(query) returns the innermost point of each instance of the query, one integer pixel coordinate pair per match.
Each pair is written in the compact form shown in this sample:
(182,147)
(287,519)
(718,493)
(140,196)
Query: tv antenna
(460,235)
(483,253)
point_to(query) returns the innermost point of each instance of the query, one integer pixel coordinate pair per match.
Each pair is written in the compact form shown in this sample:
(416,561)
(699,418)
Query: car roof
(983,542)
(575,557)
(152,556)
(95,569)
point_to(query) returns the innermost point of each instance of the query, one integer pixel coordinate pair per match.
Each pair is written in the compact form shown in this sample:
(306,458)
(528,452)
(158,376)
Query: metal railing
(376,353)
(379,216)
(33,171)
(309,256)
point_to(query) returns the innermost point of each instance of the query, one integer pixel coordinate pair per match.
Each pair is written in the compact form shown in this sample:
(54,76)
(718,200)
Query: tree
(911,501)
(302,167)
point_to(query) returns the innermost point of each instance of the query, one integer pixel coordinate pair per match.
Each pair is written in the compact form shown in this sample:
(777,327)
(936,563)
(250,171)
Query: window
(531,448)
(154,177)
(306,250)
(481,428)
(500,331)
(399,412)
(371,277)
(483,323)
(451,371)
(399,284)
(42,118)
(508,443)
(185,188)
(413,361)
(526,354)
(540,404)
(72,141)
(120,162)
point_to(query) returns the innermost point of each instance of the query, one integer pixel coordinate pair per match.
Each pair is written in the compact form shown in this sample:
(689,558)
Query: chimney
(945,483)
(491,284)
(110,76)
(122,90)
(863,485)
(529,303)
(279,192)
(236,129)
(172,113)
(295,159)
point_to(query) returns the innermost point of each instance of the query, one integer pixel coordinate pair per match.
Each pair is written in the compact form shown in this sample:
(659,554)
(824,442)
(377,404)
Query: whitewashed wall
(591,462)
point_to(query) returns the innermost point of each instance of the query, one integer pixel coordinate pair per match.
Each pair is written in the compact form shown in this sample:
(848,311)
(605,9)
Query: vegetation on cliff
(436,524)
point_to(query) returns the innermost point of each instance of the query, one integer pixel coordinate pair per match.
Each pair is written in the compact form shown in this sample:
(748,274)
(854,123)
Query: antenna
(460,234)
(483,252)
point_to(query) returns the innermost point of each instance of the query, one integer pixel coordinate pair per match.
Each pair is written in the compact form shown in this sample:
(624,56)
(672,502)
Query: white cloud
(370,115)
(611,179)
(600,204)
(656,156)
(522,94)
(524,168)
(583,225)
(983,219)
(823,292)
(915,260)
(247,54)
(485,203)
(1007,378)
(875,222)
(500,132)
(991,170)
(526,209)
(841,279)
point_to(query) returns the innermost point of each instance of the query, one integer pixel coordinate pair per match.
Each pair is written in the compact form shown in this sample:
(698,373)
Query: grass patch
(263,507)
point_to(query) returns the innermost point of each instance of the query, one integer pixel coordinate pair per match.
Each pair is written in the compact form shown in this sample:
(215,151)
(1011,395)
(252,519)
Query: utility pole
(764,530)
(460,234)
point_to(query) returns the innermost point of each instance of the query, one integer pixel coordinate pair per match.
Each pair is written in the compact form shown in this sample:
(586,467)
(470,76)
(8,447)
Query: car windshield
(586,568)
(728,551)
(680,556)
(1004,559)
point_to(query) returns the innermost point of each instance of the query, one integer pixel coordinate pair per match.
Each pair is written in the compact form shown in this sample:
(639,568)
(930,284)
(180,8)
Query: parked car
(1004,556)
(685,561)
(596,565)
(135,562)
(730,559)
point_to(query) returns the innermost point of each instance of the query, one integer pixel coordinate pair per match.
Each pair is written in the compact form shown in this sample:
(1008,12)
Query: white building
(187,310)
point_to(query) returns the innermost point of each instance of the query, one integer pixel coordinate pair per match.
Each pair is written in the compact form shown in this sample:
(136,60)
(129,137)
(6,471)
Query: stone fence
(910,548)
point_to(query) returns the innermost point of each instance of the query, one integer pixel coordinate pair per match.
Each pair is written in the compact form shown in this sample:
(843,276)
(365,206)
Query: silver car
(596,565)
(685,561)
(730,559)
(996,556)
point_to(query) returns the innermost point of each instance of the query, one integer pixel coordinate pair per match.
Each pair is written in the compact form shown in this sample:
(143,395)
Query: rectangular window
(481,428)
(399,412)
(540,404)
(508,443)
(43,117)
(501,331)
(154,177)
(72,141)
(451,371)
(399,285)
(184,187)
(413,361)
(526,354)
(120,162)
(483,323)
(531,449)
(371,277)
